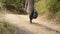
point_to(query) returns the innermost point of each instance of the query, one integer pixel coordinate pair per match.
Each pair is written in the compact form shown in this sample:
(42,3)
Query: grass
(6,28)
(58,14)
(43,9)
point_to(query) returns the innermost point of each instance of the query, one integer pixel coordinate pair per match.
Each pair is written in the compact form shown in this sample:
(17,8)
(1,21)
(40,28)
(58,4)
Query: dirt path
(37,27)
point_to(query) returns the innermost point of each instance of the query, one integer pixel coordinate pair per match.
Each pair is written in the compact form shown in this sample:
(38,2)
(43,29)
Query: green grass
(42,8)
(58,14)
(6,28)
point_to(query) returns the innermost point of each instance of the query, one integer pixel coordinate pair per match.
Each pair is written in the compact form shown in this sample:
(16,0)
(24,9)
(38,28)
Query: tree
(18,5)
(30,6)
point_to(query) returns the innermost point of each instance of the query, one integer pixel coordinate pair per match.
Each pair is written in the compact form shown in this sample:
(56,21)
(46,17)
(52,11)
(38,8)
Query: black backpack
(35,14)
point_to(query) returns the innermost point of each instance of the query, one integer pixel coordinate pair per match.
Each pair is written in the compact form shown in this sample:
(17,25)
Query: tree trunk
(26,3)
(30,6)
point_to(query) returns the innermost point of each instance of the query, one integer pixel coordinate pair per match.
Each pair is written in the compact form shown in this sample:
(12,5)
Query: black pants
(31,18)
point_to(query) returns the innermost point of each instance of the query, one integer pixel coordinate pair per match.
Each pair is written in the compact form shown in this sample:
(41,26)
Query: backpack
(35,14)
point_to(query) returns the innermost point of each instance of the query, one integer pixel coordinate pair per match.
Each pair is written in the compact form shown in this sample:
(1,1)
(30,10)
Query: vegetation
(6,28)
(14,5)
(48,8)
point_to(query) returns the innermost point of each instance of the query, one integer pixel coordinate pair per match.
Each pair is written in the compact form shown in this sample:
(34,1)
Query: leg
(30,20)
(30,17)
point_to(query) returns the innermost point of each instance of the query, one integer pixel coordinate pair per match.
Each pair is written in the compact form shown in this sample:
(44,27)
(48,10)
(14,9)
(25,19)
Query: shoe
(30,21)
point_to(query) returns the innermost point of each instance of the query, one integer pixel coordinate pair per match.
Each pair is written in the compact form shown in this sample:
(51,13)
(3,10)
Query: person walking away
(33,15)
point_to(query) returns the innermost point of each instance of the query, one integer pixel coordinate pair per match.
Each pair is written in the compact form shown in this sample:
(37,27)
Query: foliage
(51,8)
(6,28)
(18,5)
(36,0)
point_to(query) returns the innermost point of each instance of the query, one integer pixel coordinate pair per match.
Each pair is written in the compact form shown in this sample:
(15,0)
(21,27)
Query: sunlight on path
(22,21)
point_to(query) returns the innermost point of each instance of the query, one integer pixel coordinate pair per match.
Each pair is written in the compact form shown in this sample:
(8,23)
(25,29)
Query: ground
(37,27)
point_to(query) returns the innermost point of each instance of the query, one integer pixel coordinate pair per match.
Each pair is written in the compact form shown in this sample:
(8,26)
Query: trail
(37,27)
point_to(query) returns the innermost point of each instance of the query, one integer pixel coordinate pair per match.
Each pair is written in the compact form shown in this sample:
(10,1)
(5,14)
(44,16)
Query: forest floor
(37,27)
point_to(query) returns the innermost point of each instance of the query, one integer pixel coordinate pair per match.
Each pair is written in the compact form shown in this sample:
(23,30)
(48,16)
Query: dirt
(37,27)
